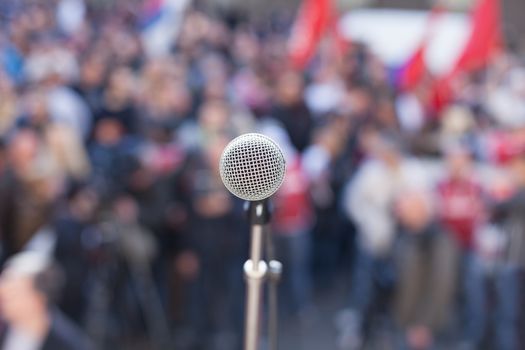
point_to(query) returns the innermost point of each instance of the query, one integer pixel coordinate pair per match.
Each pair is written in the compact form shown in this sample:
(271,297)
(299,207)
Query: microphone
(252,167)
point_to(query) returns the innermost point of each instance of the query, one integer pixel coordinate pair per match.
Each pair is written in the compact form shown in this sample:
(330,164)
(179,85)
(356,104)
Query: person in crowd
(29,285)
(292,222)
(324,164)
(111,154)
(8,104)
(58,140)
(462,210)
(90,84)
(216,243)
(427,260)
(497,265)
(29,188)
(74,229)
(291,110)
(116,100)
(460,201)
(368,201)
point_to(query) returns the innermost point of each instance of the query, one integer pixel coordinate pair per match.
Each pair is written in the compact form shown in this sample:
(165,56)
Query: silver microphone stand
(274,276)
(255,271)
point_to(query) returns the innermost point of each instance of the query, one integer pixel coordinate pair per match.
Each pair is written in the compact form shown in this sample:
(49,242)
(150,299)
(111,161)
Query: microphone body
(252,167)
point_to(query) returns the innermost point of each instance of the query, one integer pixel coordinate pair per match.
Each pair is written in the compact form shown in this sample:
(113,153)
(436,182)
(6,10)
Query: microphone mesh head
(252,167)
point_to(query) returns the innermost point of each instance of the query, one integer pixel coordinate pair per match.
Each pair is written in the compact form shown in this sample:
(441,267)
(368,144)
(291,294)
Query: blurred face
(459,164)
(85,203)
(359,100)
(214,152)
(378,72)
(331,139)
(246,47)
(386,114)
(121,83)
(22,150)
(215,89)
(502,186)
(19,300)
(178,98)
(126,210)
(6,85)
(384,152)
(290,88)
(108,131)
(92,72)
(412,211)
(40,17)
(37,108)
(517,170)
(126,46)
(214,116)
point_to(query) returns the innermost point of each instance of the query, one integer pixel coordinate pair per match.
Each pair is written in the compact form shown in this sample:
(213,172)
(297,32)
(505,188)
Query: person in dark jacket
(291,110)
(497,269)
(74,229)
(28,285)
(427,260)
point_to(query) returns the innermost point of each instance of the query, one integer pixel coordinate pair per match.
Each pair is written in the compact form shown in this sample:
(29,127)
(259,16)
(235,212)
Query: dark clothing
(427,264)
(218,238)
(511,216)
(63,335)
(492,299)
(372,280)
(297,121)
(71,253)
(22,213)
(8,191)
(93,97)
(112,164)
(126,115)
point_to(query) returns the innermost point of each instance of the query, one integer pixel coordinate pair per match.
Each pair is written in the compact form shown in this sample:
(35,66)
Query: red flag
(485,38)
(312,21)
(415,68)
(441,95)
(341,44)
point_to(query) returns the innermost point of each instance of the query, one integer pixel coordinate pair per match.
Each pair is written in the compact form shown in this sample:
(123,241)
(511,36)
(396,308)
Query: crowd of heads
(115,150)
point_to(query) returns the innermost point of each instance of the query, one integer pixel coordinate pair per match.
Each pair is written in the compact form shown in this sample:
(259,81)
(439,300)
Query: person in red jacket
(292,221)
(460,197)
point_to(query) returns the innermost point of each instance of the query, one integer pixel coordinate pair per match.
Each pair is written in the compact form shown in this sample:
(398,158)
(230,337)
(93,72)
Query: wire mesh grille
(252,167)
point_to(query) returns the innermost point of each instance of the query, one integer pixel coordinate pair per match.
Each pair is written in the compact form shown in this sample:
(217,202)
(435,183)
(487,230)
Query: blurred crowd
(110,190)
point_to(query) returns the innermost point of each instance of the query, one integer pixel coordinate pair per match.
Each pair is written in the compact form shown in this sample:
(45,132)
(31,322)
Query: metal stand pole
(255,270)
(274,276)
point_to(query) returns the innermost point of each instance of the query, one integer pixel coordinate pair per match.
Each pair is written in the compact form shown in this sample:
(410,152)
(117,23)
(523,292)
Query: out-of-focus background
(401,222)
